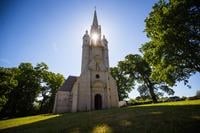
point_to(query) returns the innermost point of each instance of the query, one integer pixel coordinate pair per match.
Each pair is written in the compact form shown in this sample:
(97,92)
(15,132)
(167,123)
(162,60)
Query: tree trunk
(153,95)
(149,84)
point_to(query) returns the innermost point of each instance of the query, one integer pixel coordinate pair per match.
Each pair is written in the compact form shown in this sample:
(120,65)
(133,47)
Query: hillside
(183,116)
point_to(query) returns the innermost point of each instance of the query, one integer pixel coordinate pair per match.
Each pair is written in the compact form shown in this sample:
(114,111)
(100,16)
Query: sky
(51,31)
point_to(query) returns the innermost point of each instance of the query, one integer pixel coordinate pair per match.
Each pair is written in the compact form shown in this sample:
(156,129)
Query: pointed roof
(68,84)
(95,21)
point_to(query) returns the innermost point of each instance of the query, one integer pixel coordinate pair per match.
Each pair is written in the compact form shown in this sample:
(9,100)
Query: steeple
(95,31)
(95,21)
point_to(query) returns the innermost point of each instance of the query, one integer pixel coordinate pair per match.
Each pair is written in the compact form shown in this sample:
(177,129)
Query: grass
(183,116)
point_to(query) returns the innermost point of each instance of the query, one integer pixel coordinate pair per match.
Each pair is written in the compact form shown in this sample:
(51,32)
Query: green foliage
(20,88)
(139,70)
(51,82)
(7,83)
(124,82)
(22,96)
(173,28)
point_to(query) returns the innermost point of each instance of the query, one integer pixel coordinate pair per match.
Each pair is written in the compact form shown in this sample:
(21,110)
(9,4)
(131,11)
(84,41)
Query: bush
(139,102)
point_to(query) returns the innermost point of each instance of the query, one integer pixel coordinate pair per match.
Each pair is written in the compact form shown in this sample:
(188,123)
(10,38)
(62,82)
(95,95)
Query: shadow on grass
(156,119)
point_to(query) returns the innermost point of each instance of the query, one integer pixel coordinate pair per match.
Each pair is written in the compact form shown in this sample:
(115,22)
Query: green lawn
(183,116)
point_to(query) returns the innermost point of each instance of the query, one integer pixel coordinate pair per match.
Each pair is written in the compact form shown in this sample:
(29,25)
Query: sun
(94,37)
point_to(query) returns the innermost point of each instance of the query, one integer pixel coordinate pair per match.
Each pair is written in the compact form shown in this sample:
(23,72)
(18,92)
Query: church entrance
(98,102)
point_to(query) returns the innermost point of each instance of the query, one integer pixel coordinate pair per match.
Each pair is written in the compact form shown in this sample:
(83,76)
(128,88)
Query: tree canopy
(124,82)
(139,71)
(21,87)
(173,28)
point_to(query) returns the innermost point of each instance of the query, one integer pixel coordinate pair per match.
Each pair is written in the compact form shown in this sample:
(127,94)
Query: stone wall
(63,102)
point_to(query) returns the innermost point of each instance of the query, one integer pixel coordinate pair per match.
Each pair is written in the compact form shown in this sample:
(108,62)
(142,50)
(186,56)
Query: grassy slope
(170,117)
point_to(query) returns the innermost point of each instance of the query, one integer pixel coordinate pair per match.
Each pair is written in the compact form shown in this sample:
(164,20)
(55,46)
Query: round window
(97,76)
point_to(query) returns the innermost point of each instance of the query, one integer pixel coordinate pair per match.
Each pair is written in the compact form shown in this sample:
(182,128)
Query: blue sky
(51,31)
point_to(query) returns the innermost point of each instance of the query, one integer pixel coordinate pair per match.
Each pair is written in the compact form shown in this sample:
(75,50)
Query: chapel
(95,88)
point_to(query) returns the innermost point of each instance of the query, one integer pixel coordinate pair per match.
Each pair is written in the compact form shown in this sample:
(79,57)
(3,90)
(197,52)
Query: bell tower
(97,88)
(94,48)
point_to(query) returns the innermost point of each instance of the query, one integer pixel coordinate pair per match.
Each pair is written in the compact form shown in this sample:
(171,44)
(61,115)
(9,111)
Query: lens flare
(94,37)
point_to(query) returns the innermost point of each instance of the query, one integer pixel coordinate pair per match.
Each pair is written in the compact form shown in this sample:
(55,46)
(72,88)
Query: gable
(68,84)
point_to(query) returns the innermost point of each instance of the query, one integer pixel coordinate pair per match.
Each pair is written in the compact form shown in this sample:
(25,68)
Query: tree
(20,88)
(139,70)
(7,83)
(173,28)
(51,84)
(124,82)
(22,97)
(42,72)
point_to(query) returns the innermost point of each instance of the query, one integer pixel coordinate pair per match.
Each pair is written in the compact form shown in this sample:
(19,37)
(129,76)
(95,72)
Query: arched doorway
(98,102)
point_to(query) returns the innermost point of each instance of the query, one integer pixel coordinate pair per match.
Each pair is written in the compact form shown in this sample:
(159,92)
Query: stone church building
(95,88)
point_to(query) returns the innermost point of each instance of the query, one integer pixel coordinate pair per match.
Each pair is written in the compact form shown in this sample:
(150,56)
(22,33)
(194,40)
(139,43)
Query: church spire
(95,21)
(95,31)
